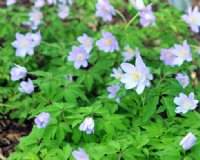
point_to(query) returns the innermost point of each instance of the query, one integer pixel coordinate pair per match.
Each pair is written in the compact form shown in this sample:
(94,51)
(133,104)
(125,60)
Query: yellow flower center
(183,81)
(135,75)
(79,57)
(118,75)
(106,10)
(38,16)
(193,20)
(24,43)
(186,104)
(183,53)
(169,56)
(129,51)
(109,41)
(87,42)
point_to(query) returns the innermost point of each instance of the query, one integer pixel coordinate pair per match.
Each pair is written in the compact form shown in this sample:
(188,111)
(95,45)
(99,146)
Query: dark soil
(10,133)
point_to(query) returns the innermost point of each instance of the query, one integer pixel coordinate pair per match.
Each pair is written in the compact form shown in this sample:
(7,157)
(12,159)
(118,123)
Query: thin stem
(121,15)
(193,46)
(131,21)
(8,105)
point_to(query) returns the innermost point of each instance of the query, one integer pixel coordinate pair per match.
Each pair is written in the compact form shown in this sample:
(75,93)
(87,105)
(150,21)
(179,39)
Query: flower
(193,18)
(188,141)
(39,3)
(87,125)
(10,2)
(182,53)
(138,4)
(86,42)
(182,79)
(80,155)
(51,2)
(63,11)
(129,53)
(105,10)
(70,1)
(36,37)
(17,72)
(42,120)
(26,87)
(167,56)
(113,91)
(79,56)
(185,103)
(24,44)
(117,73)
(136,76)
(108,43)
(147,17)
(35,17)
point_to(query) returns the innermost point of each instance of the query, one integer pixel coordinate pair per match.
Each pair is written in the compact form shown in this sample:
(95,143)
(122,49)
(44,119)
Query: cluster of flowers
(136,76)
(36,16)
(79,55)
(146,14)
(19,72)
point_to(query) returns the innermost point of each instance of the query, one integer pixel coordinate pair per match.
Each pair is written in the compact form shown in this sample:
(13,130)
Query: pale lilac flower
(51,2)
(138,4)
(129,53)
(79,56)
(10,2)
(113,91)
(42,120)
(185,103)
(23,44)
(182,79)
(117,73)
(107,43)
(37,38)
(26,87)
(105,10)
(137,76)
(188,141)
(35,17)
(193,18)
(17,72)
(147,17)
(182,53)
(63,11)
(86,42)
(87,125)
(39,3)
(80,155)
(70,1)
(167,56)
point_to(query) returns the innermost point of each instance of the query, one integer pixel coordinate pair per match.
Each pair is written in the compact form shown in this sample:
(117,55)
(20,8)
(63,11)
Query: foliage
(139,127)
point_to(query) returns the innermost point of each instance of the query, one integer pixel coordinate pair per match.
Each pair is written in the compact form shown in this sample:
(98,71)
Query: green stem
(193,46)
(7,105)
(121,15)
(131,21)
